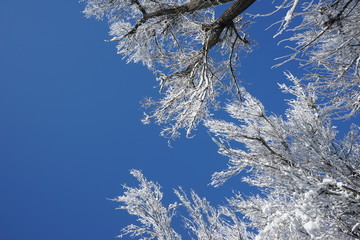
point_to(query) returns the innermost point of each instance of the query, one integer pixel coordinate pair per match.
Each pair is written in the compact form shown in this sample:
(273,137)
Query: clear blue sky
(70,125)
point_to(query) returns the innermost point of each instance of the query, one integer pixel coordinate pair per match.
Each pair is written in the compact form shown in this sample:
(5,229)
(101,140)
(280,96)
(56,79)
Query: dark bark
(238,7)
(226,20)
(189,7)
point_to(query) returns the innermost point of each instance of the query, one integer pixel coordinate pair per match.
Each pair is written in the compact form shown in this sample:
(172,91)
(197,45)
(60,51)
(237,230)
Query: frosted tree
(194,55)
(203,220)
(327,42)
(309,178)
(174,39)
(145,202)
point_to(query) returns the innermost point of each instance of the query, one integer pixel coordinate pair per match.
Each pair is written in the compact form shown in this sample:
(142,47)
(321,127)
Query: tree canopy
(308,176)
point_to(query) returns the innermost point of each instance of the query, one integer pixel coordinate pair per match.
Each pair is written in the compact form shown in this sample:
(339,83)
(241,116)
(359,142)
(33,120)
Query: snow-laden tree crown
(310,179)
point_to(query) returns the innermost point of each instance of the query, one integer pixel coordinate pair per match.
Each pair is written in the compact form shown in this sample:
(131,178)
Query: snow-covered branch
(174,39)
(145,203)
(308,176)
(326,40)
(298,163)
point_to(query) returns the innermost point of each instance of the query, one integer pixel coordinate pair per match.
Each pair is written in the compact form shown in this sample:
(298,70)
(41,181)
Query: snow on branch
(177,39)
(203,220)
(326,41)
(310,180)
(145,203)
(298,164)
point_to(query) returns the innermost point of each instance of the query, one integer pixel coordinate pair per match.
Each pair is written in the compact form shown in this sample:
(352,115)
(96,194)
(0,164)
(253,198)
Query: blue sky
(70,125)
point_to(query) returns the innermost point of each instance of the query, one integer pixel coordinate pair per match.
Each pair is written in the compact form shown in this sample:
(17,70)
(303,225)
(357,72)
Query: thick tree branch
(238,7)
(225,20)
(188,7)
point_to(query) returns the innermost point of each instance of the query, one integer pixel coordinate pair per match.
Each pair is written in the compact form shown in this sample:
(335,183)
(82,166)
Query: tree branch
(225,20)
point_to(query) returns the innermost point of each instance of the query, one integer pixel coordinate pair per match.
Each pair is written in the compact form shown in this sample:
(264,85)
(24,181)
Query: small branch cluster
(203,220)
(327,43)
(174,39)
